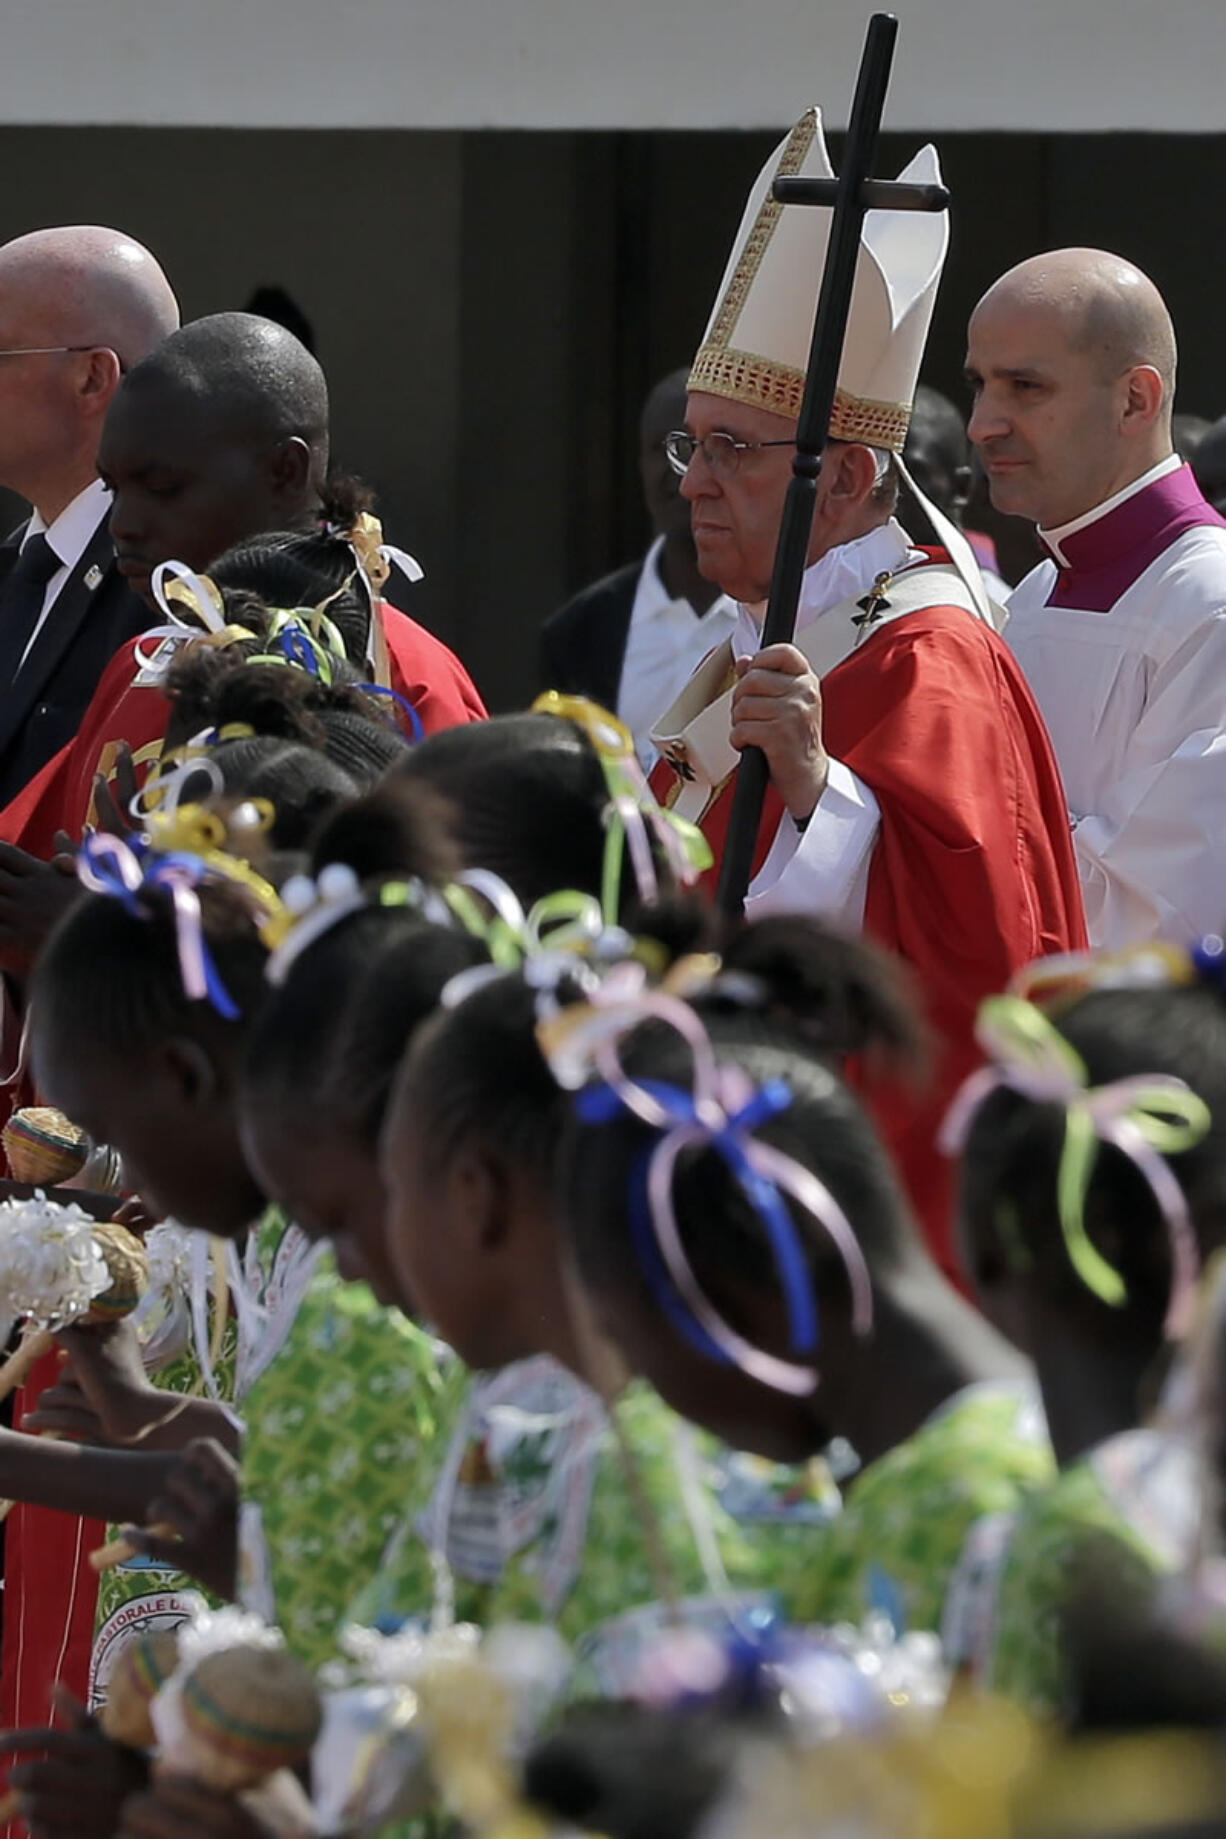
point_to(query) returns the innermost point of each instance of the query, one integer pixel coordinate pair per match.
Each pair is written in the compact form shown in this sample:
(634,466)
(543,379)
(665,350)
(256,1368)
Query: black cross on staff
(852,194)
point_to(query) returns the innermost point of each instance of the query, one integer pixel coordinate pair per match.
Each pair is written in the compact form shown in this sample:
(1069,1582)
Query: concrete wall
(1023,65)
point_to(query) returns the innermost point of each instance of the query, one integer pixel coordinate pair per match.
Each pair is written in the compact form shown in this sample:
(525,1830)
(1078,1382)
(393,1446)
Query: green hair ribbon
(1148,1117)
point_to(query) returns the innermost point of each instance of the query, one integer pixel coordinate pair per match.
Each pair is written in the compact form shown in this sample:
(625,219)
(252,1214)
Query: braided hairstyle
(110,977)
(292,568)
(330,1039)
(213,688)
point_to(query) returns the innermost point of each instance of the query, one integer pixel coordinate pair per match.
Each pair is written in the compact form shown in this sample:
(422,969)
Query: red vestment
(972,873)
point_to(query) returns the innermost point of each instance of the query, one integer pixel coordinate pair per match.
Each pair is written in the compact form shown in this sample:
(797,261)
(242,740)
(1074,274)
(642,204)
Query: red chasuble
(972,874)
(50,1592)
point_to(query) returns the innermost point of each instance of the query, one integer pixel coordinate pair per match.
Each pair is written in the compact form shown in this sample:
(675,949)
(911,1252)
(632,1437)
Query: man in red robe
(913,789)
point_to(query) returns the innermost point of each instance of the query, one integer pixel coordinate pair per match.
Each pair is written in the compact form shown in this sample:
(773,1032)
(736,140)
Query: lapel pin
(93,577)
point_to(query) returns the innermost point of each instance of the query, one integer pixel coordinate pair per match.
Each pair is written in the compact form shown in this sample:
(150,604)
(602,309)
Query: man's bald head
(220,433)
(78,306)
(84,285)
(1105,305)
(1072,359)
(250,373)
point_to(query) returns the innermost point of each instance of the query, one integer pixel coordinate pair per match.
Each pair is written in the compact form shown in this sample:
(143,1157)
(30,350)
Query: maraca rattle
(43,1147)
(238,1714)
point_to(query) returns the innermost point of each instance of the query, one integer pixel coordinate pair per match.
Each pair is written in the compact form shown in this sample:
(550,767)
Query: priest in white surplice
(1122,633)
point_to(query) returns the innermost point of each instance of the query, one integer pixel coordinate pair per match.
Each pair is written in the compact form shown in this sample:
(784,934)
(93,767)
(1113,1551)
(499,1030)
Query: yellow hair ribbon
(565,921)
(188,830)
(608,734)
(192,830)
(504,944)
(632,806)
(179,590)
(308,641)
(171,769)
(365,538)
(692,975)
(315,619)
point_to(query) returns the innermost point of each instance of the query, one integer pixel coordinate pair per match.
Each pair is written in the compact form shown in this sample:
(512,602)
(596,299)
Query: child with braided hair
(52,1591)
(548,799)
(111,988)
(1093,1187)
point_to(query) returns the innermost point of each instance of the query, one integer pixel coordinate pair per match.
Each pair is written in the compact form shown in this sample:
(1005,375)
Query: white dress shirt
(824,868)
(1132,686)
(70,536)
(665,644)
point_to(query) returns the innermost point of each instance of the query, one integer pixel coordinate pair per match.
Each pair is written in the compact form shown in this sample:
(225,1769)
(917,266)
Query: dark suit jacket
(583,644)
(81,634)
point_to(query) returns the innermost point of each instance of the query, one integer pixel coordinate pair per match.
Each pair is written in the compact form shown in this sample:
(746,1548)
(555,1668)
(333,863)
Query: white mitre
(756,348)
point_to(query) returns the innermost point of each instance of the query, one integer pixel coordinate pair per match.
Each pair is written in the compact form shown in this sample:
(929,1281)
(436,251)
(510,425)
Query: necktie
(21,603)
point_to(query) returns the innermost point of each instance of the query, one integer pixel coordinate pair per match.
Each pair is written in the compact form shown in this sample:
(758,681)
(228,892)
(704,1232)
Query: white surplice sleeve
(1153,859)
(824,868)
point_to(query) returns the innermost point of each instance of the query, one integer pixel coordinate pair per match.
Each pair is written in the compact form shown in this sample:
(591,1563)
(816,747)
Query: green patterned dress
(339,1424)
(545,1513)
(1126,1514)
(896,1546)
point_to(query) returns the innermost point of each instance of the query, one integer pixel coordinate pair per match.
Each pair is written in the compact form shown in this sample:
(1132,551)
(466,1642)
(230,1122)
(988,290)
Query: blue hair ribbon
(297,649)
(417,731)
(121,868)
(601,1103)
